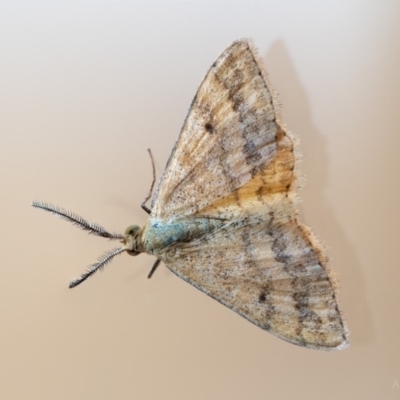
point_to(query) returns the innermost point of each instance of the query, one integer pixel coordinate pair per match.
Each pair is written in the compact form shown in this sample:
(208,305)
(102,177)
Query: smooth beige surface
(85,88)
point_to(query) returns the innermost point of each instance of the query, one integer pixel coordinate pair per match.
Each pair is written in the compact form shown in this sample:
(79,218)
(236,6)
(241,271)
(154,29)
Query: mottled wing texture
(270,273)
(263,263)
(228,136)
(234,163)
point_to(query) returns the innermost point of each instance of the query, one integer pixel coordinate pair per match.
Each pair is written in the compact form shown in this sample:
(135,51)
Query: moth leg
(153,269)
(143,205)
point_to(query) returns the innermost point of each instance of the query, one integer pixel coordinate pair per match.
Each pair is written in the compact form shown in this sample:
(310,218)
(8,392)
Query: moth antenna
(103,260)
(92,227)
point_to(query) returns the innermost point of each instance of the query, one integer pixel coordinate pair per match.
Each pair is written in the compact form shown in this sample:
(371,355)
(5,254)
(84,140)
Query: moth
(223,216)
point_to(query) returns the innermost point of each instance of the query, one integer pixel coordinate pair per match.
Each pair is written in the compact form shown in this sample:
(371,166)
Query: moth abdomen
(159,234)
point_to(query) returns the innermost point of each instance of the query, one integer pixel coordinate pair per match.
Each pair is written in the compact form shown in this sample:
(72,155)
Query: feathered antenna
(103,260)
(92,227)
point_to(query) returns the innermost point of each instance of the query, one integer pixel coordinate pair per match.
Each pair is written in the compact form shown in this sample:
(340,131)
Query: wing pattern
(228,136)
(234,162)
(269,272)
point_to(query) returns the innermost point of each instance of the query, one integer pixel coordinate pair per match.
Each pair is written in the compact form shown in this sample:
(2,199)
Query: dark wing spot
(262,297)
(209,128)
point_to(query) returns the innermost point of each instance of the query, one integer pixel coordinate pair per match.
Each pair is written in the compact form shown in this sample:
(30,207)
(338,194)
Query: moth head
(130,240)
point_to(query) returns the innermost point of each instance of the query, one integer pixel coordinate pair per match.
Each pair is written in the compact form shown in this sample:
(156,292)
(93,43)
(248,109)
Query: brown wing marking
(272,185)
(228,137)
(271,273)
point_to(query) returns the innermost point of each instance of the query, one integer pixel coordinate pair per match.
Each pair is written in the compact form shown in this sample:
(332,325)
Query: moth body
(223,215)
(158,235)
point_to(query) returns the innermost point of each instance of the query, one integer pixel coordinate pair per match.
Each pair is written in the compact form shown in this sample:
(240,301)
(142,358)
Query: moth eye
(131,230)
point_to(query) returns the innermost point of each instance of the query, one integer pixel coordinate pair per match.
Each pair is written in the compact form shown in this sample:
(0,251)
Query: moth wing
(229,135)
(234,162)
(262,263)
(269,271)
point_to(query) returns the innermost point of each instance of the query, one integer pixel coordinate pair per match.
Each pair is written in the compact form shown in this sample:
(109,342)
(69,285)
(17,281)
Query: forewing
(270,272)
(270,192)
(235,163)
(229,135)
